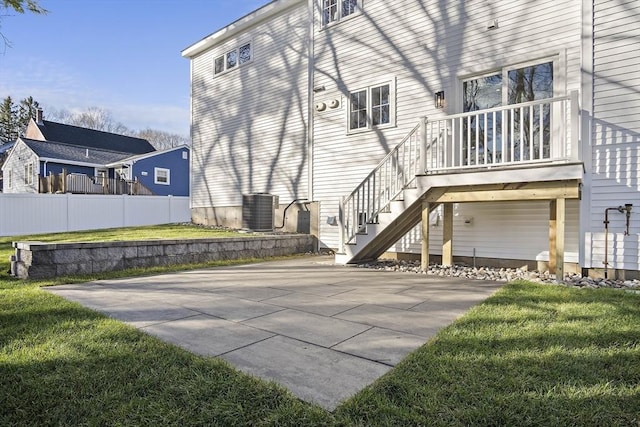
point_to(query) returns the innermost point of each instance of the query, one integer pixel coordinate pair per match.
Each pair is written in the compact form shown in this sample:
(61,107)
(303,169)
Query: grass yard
(530,355)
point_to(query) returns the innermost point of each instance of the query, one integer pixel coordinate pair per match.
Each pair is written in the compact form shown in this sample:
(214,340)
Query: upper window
(10,178)
(28,173)
(371,107)
(161,176)
(335,10)
(233,59)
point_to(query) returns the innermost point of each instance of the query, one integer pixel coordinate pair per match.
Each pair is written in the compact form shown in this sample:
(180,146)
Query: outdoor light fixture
(440,99)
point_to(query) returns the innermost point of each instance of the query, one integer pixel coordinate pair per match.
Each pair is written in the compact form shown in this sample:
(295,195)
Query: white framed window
(161,176)
(528,127)
(232,59)
(28,173)
(10,179)
(337,10)
(371,107)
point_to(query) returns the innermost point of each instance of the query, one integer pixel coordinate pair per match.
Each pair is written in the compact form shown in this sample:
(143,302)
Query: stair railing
(527,133)
(374,194)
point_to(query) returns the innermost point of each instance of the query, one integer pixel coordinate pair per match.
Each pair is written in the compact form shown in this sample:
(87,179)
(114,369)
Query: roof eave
(133,159)
(239,26)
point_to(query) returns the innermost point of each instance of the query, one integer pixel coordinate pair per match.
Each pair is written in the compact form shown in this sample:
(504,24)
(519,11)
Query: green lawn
(530,355)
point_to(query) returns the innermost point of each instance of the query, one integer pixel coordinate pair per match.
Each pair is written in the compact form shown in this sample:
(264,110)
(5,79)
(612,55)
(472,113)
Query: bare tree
(162,140)
(93,118)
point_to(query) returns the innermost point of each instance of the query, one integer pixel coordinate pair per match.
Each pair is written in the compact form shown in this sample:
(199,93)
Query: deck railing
(519,134)
(85,184)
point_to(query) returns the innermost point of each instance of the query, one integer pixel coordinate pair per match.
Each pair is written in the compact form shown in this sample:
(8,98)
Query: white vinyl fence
(51,213)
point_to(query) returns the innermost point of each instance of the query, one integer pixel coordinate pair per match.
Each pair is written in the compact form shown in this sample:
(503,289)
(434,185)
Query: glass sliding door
(482,134)
(531,126)
(509,135)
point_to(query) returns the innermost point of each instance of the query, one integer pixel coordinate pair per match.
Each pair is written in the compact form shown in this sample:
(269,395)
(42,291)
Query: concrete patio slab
(312,303)
(253,293)
(144,313)
(206,335)
(321,330)
(313,373)
(311,328)
(422,324)
(381,345)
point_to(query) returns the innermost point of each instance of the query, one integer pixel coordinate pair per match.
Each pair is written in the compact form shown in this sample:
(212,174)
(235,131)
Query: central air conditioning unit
(258,211)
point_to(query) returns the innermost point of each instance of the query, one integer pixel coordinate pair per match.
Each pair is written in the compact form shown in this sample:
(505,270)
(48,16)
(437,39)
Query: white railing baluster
(439,146)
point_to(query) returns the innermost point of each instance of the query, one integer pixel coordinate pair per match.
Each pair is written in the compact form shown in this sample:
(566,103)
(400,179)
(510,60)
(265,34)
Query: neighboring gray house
(55,157)
(31,159)
(502,132)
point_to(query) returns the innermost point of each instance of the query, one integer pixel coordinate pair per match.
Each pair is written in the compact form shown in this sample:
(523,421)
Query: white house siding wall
(521,231)
(249,125)
(428,46)
(616,133)
(20,156)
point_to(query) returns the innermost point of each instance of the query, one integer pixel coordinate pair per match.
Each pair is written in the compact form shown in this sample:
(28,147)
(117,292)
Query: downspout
(311,110)
(310,95)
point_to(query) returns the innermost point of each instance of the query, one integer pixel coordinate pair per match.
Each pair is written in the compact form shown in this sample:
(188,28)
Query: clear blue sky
(120,55)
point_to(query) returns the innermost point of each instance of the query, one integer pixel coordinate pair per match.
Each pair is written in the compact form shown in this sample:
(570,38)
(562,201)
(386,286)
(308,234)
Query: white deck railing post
(341,225)
(576,146)
(423,146)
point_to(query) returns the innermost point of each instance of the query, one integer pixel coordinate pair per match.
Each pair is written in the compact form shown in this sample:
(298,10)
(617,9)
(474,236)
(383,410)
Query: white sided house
(504,132)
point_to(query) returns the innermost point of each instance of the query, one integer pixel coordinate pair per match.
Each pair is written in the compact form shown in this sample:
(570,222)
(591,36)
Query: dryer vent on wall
(258,211)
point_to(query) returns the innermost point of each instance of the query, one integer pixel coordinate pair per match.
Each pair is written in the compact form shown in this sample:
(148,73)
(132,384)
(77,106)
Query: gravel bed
(503,275)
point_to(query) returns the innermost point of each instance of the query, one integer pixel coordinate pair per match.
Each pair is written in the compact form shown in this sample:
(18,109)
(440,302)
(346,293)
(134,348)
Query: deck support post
(424,256)
(447,234)
(556,237)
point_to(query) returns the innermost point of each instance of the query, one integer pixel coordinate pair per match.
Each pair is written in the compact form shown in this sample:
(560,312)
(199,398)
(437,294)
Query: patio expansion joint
(164,321)
(348,309)
(247,345)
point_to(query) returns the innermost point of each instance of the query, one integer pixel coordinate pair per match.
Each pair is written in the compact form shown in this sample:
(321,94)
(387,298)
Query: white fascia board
(133,159)
(242,24)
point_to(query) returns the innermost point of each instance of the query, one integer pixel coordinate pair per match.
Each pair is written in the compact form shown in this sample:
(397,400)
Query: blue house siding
(56,168)
(171,160)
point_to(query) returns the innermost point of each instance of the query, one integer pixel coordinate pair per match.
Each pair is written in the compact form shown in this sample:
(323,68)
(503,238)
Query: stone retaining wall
(38,260)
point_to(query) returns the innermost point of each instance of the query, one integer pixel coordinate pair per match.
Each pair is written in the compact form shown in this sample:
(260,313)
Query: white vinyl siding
(24,166)
(428,47)
(499,230)
(249,126)
(615,129)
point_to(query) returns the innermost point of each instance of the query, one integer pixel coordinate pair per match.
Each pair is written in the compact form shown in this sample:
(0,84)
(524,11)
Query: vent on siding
(258,211)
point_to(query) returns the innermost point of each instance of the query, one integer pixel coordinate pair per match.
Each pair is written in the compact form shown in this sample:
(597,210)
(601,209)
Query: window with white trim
(28,173)
(511,85)
(371,107)
(233,59)
(335,10)
(10,179)
(161,176)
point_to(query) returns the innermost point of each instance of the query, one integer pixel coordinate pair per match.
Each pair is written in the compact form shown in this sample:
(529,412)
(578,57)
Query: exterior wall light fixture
(439,99)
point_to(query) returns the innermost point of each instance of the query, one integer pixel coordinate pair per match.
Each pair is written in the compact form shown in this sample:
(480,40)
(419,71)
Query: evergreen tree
(15,118)
(8,121)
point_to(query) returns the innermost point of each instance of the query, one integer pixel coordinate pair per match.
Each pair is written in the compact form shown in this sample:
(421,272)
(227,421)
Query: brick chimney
(39,115)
